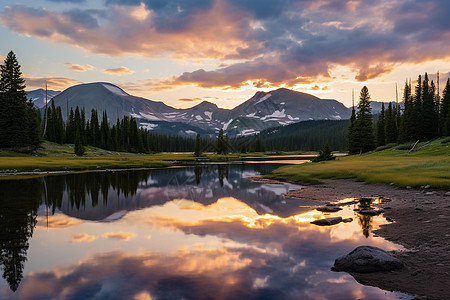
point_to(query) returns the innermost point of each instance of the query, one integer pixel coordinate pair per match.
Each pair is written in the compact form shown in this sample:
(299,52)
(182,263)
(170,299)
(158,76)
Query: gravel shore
(421,223)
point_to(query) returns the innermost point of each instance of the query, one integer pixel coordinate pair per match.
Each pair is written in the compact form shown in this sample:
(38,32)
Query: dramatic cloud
(79,68)
(118,71)
(53,83)
(260,43)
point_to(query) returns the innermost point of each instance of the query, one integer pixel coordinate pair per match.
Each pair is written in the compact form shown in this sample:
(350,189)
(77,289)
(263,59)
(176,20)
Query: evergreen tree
(15,113)
(364,137)
(324,153)
(429,122)
(79,149)
(407,126)
(381,131)
(221,147)
(391,130)
(105,142)
(198,145)
(445,111)
(95,129)
(70,128)
(352,145)
(417,111)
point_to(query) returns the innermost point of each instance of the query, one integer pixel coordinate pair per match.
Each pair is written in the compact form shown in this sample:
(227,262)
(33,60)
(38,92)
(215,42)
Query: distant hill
(38,96)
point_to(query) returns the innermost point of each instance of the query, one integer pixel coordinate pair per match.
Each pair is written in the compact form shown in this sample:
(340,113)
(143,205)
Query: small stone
(327,221)
(425,186)
(370,212)
(408,187)
(447,194)
(429,193)
(328,209)
(37,170)
(392,183)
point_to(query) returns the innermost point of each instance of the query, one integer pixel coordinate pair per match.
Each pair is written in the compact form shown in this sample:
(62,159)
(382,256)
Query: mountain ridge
(264,110)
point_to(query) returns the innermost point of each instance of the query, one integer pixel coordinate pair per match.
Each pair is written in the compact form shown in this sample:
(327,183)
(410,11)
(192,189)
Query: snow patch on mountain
(199,117)
(264,98)
(275,114)
(148,126)
(190,132)
(225,126)
(247,132)
(115,90)
(209,115)
(292,118)
(149,117)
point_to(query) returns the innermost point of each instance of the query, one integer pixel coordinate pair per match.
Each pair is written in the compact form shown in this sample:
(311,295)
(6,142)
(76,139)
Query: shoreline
(421,219)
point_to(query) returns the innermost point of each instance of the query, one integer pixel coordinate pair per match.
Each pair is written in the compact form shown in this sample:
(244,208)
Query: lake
(195,232)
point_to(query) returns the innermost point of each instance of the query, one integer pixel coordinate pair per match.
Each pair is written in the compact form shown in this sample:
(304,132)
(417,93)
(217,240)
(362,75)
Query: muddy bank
(421,223)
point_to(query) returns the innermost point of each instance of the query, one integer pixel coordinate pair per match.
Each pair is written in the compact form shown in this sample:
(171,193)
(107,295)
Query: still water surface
(201,232)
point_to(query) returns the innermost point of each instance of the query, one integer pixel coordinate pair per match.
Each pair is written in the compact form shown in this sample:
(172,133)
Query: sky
(223,51)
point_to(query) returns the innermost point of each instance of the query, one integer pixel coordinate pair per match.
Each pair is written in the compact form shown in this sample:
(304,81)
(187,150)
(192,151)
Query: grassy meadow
(55,157)
(429,165)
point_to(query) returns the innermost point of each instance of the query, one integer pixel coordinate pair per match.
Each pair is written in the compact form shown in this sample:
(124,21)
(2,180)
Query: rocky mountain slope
(263,110)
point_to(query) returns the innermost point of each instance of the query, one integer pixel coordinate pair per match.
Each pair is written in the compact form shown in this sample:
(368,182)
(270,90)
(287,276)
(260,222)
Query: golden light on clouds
(123,236)
(82,237)
(118,71)
(57,221)
(79,68)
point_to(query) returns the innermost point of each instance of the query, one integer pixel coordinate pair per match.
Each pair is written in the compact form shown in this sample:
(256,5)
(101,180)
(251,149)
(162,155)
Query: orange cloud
(118,235)
(118,71)
(79,68)
(82,237)
(57,221)
(190,99)
(53,83)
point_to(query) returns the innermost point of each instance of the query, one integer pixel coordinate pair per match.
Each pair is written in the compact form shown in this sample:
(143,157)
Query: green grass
(430,165)
(55,157)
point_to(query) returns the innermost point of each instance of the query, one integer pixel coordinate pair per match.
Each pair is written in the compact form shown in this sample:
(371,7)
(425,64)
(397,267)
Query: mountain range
(262,111)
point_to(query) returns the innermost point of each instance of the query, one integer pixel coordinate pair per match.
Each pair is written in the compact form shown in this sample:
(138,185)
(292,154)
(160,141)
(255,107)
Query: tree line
(123,135)
(425,116)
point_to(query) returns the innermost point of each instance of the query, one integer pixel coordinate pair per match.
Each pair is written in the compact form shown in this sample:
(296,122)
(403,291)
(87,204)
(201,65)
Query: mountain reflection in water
(193,232)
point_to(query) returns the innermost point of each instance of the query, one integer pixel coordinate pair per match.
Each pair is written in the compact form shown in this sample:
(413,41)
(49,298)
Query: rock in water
(327,221)
(366,259)
(329,209)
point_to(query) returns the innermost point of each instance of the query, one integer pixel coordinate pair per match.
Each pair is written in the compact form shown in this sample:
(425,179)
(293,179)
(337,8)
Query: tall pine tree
(445,111)
(391,129)
(365,139)
(17,119)
(381,131)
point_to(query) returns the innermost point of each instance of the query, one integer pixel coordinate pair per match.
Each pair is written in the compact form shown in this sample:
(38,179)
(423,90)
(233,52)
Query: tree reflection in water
(18,211)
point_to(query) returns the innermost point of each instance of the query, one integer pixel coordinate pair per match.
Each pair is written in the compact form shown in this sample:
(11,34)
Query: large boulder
(327,221)
(366,259)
